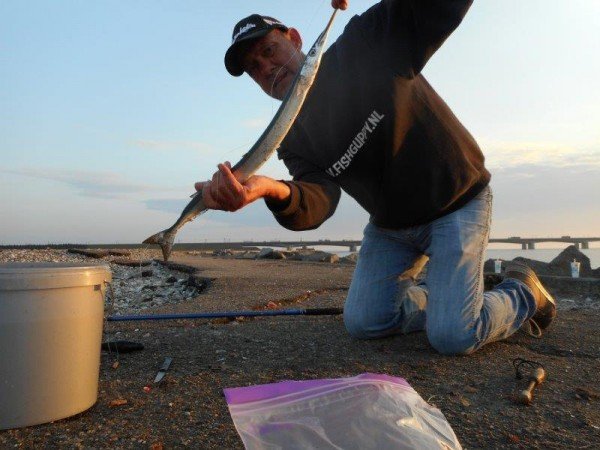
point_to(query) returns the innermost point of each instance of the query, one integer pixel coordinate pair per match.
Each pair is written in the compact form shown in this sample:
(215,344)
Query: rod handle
(323,311)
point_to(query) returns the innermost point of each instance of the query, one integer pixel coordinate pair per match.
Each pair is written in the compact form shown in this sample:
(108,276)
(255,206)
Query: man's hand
(339,4)
(226,193)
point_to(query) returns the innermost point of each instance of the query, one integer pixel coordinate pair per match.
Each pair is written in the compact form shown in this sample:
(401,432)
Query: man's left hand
(339,4)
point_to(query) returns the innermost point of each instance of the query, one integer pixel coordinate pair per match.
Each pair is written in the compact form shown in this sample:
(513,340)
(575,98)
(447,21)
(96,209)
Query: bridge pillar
(531,246)
(576,244)
(585,244)
(524,246)
(352,248)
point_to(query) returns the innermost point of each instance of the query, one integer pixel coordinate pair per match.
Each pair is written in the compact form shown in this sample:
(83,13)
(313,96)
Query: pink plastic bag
(369,411)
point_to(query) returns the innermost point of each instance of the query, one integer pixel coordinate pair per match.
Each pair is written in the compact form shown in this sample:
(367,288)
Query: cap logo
(272,22)
(242,30)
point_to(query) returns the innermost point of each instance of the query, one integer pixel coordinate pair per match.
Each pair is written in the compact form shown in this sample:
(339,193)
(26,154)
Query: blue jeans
(451,305)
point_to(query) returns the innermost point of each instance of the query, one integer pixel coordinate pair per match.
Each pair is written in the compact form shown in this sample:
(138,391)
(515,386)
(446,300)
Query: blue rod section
(229,314)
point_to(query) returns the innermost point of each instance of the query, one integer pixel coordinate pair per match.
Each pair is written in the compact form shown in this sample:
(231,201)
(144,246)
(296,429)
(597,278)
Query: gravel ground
(188,407)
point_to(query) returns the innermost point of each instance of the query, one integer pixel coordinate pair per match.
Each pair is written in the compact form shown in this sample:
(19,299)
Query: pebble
(117,402)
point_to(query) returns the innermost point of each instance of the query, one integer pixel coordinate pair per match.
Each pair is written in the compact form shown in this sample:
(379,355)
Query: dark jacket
(373,125)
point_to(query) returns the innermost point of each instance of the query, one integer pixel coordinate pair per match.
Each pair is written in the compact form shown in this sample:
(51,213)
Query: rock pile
(140,288)
(352,258)
(38,255)
(138,284)
(293,255)
(562,263)
(269,253)
(315,256)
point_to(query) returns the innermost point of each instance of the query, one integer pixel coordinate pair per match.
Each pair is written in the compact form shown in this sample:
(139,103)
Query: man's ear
(294,36)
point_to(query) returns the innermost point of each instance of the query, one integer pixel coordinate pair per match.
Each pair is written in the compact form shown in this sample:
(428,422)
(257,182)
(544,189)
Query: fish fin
(165,240)
(154,239)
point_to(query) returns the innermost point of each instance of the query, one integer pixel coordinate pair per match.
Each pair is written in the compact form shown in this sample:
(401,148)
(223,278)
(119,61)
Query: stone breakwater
(303,254)
(558,267)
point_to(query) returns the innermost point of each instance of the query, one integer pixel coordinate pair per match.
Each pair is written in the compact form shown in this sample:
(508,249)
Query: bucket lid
(48,275)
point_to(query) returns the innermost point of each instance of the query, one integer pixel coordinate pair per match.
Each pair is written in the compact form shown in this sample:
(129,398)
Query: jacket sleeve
(313,199)
(406,33)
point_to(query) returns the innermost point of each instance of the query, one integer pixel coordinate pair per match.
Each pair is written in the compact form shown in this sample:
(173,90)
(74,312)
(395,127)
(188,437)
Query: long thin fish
(266,145)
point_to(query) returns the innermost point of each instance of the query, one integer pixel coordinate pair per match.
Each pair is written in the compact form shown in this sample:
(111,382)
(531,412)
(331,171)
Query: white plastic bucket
(51,317)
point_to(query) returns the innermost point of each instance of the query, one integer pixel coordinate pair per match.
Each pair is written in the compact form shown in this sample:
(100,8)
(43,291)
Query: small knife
(163,369)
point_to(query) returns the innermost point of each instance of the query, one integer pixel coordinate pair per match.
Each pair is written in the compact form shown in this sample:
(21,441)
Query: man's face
(274,60)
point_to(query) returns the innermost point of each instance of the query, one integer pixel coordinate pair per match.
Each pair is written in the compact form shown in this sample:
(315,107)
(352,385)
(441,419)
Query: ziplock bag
(368,411)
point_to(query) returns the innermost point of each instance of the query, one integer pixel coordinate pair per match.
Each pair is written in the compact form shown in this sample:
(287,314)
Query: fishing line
(111,294)
(111,312)
(292,56)
(311,24)
(247,144)
(296,51)
(113,297)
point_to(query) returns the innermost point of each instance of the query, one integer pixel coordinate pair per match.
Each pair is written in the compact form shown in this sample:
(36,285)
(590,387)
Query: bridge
(525,242)
(529,243)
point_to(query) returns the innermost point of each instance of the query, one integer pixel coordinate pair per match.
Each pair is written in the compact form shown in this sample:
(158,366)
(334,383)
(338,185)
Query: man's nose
(268,69)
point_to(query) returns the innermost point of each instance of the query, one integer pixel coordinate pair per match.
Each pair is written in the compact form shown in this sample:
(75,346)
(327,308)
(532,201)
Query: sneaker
(545,304)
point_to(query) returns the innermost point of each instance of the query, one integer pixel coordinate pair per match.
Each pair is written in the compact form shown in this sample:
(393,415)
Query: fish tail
(165,239)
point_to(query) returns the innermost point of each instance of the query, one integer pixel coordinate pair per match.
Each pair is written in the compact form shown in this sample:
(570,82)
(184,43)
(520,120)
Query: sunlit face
(274,60)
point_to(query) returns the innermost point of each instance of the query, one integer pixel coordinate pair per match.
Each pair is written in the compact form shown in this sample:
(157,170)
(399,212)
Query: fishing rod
(228,314)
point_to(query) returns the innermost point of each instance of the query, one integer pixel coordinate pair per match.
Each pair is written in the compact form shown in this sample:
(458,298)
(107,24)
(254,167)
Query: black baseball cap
(252,27)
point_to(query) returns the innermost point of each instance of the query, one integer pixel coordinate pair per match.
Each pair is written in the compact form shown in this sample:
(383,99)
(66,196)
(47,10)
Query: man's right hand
(226,193)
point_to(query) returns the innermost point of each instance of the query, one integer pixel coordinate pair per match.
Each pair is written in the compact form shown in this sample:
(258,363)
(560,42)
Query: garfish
(266,144)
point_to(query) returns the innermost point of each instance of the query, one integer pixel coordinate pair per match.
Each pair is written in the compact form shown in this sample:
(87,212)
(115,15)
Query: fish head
(313,57)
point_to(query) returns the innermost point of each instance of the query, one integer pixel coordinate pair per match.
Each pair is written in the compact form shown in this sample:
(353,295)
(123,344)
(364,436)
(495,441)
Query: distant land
(524,242)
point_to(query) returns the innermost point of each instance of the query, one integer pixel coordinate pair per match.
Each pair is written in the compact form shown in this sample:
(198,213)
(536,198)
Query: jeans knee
(361,327)
(356,327)
(452,343)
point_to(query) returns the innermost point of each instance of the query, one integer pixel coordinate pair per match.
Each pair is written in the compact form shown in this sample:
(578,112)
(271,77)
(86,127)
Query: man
(374,127)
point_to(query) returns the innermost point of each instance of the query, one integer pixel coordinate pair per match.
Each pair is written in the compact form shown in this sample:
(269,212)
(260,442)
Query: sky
(110,111)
